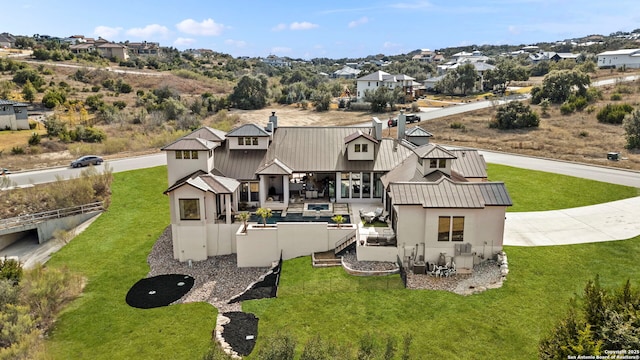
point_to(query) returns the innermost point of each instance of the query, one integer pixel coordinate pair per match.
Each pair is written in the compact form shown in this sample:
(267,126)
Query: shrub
(631,126)
(567,108)
(614,113)
(96,88)
(34,139)
(281,347)
(457,125)
(10,270)
(616,97)
(17,150)
(583,133)
(515,115)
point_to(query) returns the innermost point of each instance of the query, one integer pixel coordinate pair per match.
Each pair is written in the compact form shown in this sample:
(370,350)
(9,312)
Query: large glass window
(451,228)
(344,188)
(377,185)
(189,209)
(444,226)
(366,185)
(255,191)
(356,185)
(244,192)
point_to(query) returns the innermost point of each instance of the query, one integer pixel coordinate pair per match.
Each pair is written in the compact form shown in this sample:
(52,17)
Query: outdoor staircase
(346,243)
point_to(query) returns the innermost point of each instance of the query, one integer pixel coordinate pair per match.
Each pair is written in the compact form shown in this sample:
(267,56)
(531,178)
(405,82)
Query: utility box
(614,156)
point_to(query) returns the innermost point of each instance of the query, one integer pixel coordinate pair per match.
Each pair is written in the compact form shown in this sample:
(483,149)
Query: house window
(365,147)
(254,141)
(433,163)
(194,154)
(240,141)
(186,154)
(369,83)
(442,163)
(357,147)
(255,191)
(189,209)
(179,154)
(451,228)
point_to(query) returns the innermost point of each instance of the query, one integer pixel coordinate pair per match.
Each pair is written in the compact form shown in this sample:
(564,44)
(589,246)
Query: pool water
(296,217)
(317,207)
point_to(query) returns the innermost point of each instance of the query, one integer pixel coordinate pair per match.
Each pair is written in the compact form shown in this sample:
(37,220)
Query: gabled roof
(631,52)
(359,134)
(11,102)
(208,133)
(247,130)
(469,163)
(433,151)
(275,167)
(191,144)
(417,131)
(445,193)
(376,76)
(207,182)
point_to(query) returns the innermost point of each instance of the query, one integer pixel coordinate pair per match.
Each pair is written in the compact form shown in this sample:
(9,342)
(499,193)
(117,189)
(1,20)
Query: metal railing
(30,219)
(345,239)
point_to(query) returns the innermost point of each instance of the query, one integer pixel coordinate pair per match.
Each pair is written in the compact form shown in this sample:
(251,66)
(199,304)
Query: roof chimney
(377,128)
(402,121)
(273,119)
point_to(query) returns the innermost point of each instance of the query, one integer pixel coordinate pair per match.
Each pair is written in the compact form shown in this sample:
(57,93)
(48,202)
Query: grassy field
(503,323)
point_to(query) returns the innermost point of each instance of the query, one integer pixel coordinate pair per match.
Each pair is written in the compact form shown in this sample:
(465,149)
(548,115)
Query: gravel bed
(486,275)
(217,279)
(353,263)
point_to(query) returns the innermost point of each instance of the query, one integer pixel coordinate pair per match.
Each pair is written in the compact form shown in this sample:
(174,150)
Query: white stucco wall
(619,61)
(263,143)
(353,155)
(179,168)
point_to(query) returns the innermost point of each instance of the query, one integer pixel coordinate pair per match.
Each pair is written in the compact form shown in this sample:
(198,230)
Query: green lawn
(539,191)
(502,323)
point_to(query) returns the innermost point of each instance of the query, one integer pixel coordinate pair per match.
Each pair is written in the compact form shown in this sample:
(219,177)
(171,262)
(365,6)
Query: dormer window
(438,163)
(361,147)
(186,154)
(247,140)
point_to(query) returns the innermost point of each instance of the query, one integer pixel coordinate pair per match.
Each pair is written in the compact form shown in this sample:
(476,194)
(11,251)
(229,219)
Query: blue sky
(334,29)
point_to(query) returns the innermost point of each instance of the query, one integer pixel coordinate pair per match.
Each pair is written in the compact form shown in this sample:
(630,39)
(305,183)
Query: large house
(380,78)
(436,202)
(629,58)
(13,115)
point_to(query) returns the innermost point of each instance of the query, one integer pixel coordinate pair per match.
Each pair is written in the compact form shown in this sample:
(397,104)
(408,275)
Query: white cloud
(279,27)
(107,32)
(390,45)
(207,27)
(280,50)
(363,20)
(236,43)
(183,41)
(148,31)
(302,25)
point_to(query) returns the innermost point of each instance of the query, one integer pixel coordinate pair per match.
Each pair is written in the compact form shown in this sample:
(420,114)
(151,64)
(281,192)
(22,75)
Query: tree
(321,100)
(515,115)
(244,217)
(506,71)
(250,93)
(378,98)
(264,213)
(559,85)
(466,77)
(338,219)
(631,126)
(28,92)
(606,320)
(21,77)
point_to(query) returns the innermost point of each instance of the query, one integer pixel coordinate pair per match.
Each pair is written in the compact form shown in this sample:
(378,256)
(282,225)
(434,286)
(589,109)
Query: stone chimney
(274,120)
(402,121)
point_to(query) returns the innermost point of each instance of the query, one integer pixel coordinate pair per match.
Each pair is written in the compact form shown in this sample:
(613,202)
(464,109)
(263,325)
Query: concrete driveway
(617,220)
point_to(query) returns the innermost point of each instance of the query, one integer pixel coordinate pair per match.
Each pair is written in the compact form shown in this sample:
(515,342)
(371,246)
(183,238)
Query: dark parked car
(411,118)
(87,160)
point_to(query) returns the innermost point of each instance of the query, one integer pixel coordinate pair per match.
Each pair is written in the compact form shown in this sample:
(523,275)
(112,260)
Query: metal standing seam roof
(238,164)
(469,163)
(11,102)
(445,193)
(191,144)
(632,52)
(207,133)
(276,167)
(433,151)
(358,134)
(207,182)
(417,131)
(316,149)
(247,130)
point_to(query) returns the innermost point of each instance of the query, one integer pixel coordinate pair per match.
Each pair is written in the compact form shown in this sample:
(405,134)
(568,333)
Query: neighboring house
(480,67)
(82,48)
(13,115)
(276,61)
(379,79)
(144,48)
(7,40)
(113,50)
(552,56)
(346,73)
(629,58)
(437,201)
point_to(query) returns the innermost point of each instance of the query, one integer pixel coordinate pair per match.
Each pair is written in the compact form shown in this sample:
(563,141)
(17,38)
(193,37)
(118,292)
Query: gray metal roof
(469,163)
(311,149)
(11,102)
(276,167)
(445,193)
(247,130)
(358,134)
(191,144)
(433,151)
(208,133)
(238,164)
(417,131)
(376,76)
(207,182)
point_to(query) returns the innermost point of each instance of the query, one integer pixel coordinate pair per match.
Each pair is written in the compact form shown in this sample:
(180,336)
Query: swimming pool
(296,217)
(318,207)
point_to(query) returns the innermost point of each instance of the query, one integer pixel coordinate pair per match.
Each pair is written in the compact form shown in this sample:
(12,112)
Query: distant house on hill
(143,48)
(629,58)
(7,40)
(346,73)
(13,115)
(379,79)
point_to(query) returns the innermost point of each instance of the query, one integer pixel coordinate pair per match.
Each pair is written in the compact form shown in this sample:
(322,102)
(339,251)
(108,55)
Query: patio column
(227,208)
(263,190)
(285,189)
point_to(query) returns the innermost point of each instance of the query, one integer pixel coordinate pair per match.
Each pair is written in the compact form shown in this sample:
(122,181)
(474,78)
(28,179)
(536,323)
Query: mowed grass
(112,255)
(503,323)
(533,190)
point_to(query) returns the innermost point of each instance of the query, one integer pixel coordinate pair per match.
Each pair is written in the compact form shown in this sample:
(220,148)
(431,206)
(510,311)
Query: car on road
(86,161)
(411,118)
(4,171)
